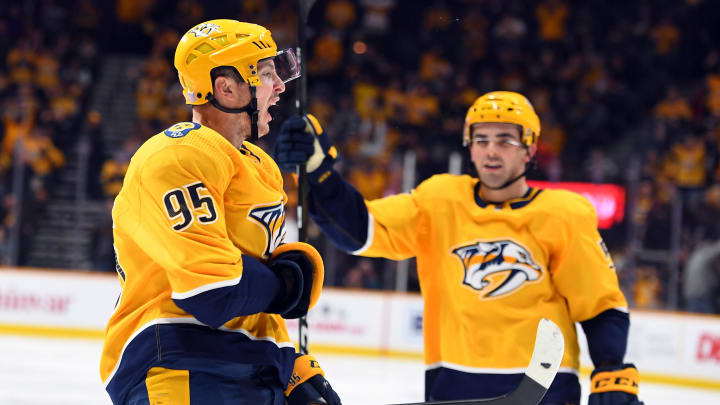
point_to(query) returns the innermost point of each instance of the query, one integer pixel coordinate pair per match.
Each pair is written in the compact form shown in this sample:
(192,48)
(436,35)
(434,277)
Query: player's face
(497,152)
(268,94)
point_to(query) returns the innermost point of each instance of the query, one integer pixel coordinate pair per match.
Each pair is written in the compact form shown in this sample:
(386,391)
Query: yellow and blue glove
(303,141)
(308,386)
(614,385)
(302,272)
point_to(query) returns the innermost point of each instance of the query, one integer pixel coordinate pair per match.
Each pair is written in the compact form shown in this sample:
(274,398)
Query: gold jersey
(190,206)
(489,272)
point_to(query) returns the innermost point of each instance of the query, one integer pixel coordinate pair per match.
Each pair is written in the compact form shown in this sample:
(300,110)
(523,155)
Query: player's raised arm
(385,227)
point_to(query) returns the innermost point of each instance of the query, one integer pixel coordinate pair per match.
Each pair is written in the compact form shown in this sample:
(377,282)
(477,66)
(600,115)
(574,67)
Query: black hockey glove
(308,385)
(301,268)
(302,140)
(614,385)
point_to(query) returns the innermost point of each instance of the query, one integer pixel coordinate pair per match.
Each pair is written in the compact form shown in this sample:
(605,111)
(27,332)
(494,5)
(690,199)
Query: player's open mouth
(492,166)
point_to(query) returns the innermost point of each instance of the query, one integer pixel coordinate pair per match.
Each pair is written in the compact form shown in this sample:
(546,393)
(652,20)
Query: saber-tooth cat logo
(484,259)
(272,219)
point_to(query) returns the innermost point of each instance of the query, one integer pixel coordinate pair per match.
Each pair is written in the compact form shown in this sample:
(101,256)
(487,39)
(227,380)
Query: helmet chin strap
(531,165)
(250,109)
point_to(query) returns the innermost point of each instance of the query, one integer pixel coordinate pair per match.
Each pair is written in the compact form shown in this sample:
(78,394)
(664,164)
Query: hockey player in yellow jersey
(493,257)
(199,229)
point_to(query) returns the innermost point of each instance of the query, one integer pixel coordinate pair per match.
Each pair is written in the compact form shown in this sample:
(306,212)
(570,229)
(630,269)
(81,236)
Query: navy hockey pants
(243,385)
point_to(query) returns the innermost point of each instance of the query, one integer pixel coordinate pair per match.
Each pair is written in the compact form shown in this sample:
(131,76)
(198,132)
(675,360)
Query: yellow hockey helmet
(227,43)
(504,107)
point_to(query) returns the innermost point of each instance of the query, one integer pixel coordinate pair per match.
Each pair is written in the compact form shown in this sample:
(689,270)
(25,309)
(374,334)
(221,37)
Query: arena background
(628,94)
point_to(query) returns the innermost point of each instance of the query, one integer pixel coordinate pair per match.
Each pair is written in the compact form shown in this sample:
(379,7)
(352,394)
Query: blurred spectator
(114,169)
(701,278)
(686,166)
(599,168)
(666,36)
(648,288)
(704,218)
(101,247)
(327,53)
(552,15)
(41,155)
(712,101)
(369,179)
(340,14)
(510,28)
(376,15)
(673,107)
(362,275)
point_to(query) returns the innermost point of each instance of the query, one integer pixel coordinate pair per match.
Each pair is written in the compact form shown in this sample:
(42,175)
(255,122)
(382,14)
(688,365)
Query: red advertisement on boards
(608,199)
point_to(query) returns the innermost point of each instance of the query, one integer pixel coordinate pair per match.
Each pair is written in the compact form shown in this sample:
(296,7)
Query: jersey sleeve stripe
(204,288)
(369,239)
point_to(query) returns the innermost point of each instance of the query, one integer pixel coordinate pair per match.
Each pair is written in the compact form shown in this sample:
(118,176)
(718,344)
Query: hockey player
(199,236)
(493,256)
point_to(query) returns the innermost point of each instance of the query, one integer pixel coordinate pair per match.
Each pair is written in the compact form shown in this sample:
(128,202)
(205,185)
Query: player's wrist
(322,173)
(291,291)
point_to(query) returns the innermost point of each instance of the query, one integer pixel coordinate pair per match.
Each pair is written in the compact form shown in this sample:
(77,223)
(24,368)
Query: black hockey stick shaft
(544,364)
(303,9)
(529,392)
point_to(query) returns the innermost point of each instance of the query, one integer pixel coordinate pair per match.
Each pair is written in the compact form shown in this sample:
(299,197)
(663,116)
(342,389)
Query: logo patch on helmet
(205,29)
(497,268)
(181,129)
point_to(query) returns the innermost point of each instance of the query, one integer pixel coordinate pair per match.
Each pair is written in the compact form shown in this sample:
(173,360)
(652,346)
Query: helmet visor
(287,66)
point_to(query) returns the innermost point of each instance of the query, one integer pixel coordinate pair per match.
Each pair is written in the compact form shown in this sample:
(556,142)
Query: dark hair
(225,71)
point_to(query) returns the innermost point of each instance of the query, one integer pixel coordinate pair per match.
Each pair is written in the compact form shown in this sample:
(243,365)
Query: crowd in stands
(627,93)
(46,75)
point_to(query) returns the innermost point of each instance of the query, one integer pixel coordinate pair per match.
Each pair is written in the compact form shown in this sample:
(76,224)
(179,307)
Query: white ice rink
(42,371)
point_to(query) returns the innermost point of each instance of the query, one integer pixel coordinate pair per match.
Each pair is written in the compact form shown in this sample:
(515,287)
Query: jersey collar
(514,203)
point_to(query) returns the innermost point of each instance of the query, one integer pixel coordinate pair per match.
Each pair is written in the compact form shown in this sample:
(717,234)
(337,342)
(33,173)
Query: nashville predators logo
(497,268)
(204,30)
(272,220)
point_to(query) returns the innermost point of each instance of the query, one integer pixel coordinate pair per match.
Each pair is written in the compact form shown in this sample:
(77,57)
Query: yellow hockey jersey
(190,206)
(489,272)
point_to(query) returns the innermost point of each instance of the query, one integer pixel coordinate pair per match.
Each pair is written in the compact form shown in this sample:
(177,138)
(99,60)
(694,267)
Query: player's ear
(532,150)
(222,87)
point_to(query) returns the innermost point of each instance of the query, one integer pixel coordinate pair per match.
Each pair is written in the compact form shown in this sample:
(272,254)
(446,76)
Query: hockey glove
(302,140)
(308,386)
(301,268)
(614,385)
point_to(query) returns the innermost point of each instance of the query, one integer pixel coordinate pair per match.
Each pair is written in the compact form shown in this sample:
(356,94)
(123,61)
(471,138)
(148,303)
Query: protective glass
(287,66)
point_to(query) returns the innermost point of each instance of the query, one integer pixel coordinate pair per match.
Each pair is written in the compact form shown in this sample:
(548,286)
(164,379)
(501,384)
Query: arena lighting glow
(359,47)
(608,199)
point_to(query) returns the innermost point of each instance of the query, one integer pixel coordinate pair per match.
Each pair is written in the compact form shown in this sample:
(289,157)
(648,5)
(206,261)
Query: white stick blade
(548,353)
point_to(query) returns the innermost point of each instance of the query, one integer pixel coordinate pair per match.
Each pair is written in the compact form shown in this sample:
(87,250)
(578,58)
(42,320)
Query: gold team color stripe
(51,332)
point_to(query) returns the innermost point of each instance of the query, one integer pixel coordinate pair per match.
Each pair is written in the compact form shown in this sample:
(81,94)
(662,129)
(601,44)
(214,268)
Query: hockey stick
(303,10)
(540,373)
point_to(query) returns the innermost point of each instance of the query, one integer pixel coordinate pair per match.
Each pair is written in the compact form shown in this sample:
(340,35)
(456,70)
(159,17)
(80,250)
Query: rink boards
(667,347)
